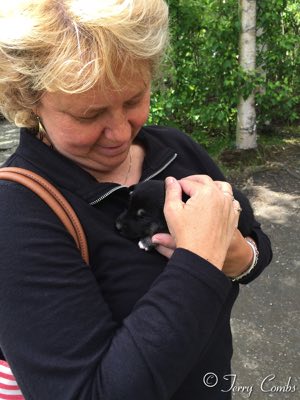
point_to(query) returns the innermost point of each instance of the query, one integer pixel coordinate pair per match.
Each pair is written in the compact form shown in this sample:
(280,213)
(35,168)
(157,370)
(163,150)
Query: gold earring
(42,133)
(42,129)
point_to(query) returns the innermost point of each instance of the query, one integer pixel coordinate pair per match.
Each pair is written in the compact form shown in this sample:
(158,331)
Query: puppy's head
(144,216)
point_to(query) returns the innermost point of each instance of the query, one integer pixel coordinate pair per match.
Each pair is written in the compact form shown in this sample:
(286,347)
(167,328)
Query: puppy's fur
(144,216)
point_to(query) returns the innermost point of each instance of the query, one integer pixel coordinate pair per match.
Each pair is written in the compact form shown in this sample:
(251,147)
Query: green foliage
(279,57)
(202,78)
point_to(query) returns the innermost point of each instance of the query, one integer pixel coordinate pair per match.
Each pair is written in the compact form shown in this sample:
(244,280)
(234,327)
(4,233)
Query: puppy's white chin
(143,246)
(146,244)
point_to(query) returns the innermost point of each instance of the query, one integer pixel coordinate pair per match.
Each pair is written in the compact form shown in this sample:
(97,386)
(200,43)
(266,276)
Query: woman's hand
(165,244)
(205,224)
(239,256)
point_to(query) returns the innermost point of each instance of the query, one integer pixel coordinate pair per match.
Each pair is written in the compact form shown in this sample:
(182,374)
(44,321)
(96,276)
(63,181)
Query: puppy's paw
(146,244)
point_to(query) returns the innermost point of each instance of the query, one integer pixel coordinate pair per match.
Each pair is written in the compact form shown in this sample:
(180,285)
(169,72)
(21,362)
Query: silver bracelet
(255,251)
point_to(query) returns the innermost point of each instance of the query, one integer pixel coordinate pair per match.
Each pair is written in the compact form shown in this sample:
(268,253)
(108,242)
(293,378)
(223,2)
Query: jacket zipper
(122,186)
(161,169)
(106,195)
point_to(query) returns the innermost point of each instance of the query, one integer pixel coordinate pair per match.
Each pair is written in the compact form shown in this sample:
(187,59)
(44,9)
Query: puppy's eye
(141,212)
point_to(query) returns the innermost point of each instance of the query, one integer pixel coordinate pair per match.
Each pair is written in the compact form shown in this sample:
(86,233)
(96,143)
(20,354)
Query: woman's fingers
(237,211)
(193,187)
(164,239)
(206,222)
(165,244)
(222,185)
(201,178)
(173,192)
(225,187)
(237,206)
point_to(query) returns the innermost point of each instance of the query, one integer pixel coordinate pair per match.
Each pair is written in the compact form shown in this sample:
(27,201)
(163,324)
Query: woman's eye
(89,118)
(80,118)
(132,103)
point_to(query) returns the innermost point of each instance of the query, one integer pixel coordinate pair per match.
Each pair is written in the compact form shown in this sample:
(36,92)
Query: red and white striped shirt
(9,389)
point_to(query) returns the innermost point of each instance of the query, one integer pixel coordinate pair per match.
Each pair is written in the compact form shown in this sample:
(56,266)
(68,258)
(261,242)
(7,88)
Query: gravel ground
(265,319)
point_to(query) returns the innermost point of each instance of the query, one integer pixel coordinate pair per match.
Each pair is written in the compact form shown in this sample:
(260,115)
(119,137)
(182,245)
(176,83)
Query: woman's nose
(118,128)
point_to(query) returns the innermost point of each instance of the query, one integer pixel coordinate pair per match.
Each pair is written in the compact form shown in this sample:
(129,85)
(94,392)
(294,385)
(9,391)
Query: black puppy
(144,216)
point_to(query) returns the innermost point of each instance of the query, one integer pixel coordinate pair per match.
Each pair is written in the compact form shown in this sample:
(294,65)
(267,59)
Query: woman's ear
(34,110)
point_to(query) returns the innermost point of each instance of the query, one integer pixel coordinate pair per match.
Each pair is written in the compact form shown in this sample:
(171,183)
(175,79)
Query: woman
(76,76)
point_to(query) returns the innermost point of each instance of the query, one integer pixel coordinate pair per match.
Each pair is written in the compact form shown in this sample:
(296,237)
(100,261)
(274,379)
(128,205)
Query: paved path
(265,319)
(265,322)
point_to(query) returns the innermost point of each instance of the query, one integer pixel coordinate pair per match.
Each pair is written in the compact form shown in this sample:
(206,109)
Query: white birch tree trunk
(246,119)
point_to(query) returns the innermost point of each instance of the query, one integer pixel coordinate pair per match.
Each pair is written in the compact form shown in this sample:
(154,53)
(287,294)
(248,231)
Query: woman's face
(96,128)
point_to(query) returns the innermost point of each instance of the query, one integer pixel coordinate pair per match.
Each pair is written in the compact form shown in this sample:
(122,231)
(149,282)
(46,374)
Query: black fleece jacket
(132,325)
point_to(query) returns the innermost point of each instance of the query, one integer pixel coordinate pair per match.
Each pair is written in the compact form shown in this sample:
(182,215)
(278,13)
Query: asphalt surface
(265,320)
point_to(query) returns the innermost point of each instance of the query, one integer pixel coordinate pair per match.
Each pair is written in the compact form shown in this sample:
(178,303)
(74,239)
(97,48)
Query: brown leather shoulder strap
(55,200)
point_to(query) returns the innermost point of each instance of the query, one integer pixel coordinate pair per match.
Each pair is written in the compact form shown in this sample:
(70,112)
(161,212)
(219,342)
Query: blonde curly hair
(71,45)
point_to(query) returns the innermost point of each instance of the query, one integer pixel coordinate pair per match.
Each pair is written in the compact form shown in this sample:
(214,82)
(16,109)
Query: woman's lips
(113,150)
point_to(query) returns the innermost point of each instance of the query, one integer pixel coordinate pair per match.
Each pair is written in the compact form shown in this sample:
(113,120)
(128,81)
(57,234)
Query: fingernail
(170,180)
(154,239)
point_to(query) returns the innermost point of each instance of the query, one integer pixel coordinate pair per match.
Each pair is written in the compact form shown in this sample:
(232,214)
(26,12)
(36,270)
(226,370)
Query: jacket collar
(66,174)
